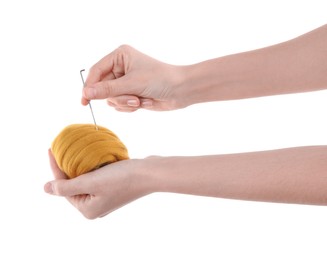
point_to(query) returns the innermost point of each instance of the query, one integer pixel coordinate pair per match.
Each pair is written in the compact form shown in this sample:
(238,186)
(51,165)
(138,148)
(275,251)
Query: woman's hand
(102,191)
(130,80)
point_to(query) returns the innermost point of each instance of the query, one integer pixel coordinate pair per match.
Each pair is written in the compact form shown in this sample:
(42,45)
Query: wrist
(165,174)
(151,174)
(144,177)
(201,82)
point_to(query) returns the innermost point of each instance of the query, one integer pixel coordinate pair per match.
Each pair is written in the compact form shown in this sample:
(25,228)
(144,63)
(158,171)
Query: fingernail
(48,188)
(89,93)
(147,103)
(132,103)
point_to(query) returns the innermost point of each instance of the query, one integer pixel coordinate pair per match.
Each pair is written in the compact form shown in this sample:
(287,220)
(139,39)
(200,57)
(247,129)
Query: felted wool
(81,148)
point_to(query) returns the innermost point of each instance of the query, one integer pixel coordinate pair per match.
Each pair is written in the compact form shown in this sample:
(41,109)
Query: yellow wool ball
(81,148)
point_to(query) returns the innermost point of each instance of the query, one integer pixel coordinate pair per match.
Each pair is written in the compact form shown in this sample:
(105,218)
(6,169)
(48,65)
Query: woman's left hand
(97,193)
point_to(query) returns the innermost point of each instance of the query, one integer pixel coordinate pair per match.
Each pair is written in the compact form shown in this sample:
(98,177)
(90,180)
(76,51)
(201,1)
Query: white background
(43,46)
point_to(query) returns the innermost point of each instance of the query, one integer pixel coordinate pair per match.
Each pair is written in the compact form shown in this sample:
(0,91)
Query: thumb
(65,188)
(105,89)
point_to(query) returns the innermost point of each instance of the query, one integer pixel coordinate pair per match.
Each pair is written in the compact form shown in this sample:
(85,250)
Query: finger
(130,103)
(111,76)
(111,103)
(146,103)
(84,101)
(58,174)
(125,100)
(123,109)
(102,74)
(126,109)
(105,89)
(112,64)
(98,71)
(68,187)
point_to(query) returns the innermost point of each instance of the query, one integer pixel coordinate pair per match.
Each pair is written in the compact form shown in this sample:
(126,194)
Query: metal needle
(96,127)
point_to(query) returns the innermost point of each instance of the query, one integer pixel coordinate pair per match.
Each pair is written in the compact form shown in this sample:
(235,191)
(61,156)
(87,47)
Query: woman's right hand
(130,80)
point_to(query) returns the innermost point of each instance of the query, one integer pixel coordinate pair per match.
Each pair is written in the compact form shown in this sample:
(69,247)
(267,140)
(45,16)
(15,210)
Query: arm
(297,65)
(294,175)
(131,80)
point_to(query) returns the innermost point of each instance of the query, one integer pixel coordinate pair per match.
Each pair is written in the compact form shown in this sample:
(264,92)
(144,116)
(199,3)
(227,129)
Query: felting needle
(96,127)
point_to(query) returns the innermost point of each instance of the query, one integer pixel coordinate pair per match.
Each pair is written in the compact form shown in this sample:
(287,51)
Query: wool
(81,148)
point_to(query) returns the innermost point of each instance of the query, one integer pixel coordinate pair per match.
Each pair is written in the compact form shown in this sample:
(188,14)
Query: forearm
(294,175)
(297,65)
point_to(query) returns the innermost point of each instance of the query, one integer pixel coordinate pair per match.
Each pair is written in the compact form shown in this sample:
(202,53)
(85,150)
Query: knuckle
(89,215)
(96,70)
(86,211)
(124,47)
(58,188)
(93,69)
(124,51)
(111,103)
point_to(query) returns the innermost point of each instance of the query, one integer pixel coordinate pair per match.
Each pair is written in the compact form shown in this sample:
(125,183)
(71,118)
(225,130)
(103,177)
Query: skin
(130,80)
